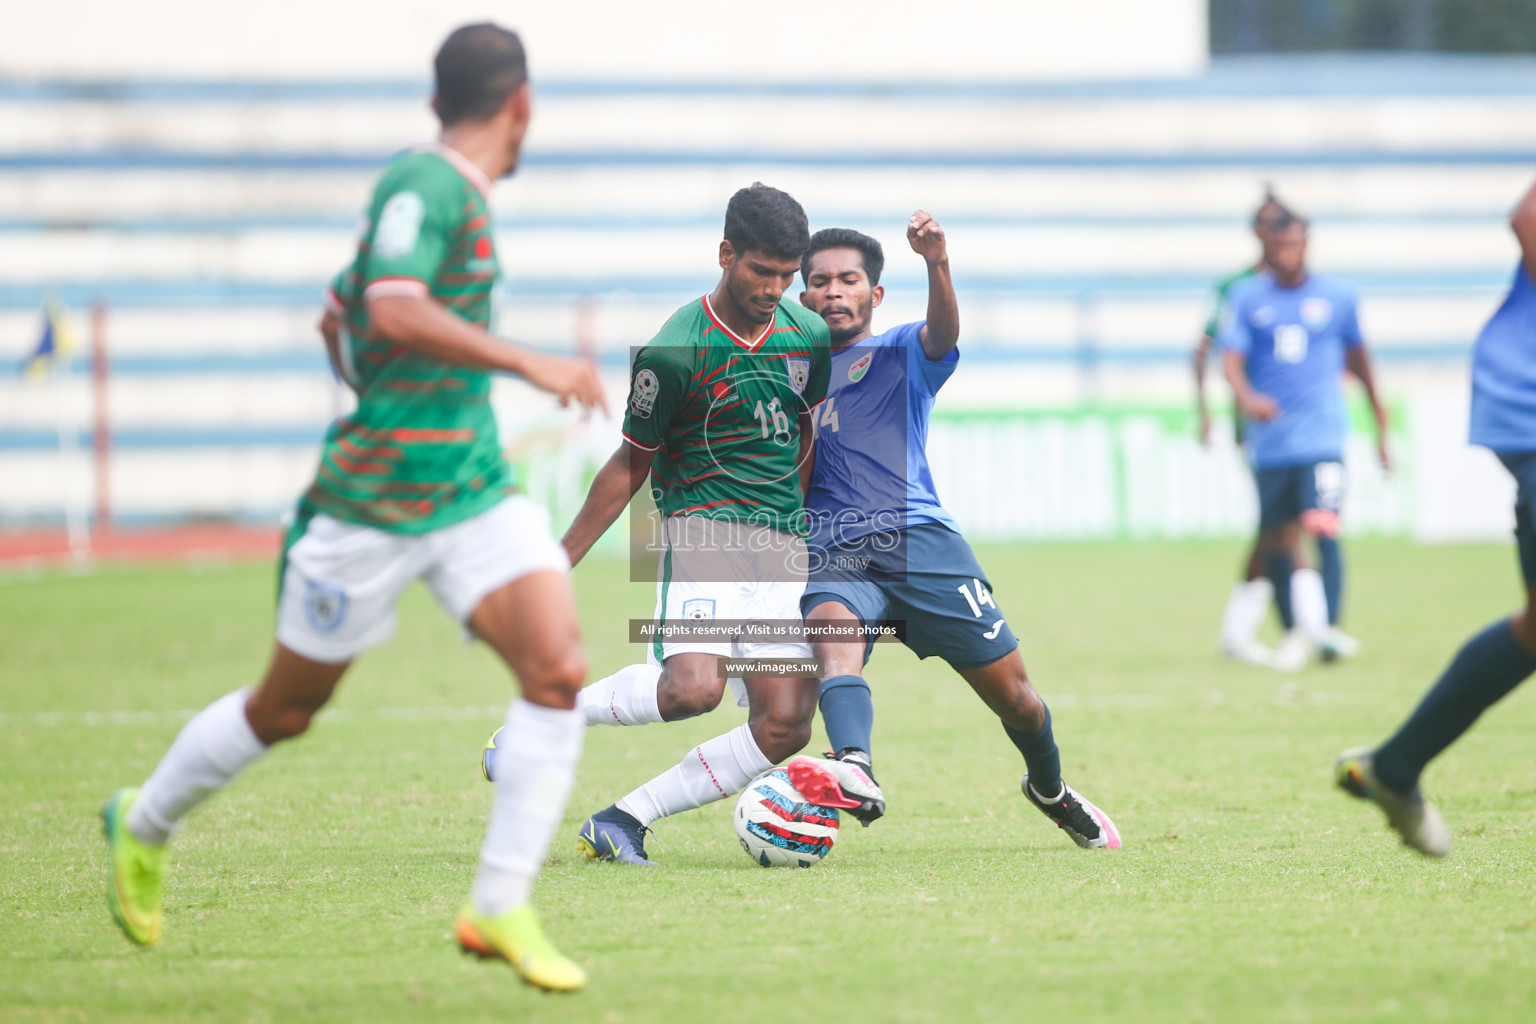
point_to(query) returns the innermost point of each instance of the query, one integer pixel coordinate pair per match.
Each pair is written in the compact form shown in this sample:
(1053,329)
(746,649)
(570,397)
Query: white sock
(209,751)
(712,771)
(628,697)
(1309,603)
(535,770)
(1246,609)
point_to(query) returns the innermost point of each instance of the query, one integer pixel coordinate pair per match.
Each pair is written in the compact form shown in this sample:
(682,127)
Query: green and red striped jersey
(722,412)
(421,452)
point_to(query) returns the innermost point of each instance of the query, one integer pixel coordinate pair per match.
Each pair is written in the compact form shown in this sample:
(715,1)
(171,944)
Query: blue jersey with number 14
(871,472)
(1293,342)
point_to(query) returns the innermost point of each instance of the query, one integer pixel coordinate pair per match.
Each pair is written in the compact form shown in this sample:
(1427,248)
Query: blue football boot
(612,834)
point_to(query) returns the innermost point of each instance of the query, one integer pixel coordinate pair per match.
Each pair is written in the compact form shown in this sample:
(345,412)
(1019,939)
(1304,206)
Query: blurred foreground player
(1287,337)
(1503,655)
(1249,601)
(413,485)
(885,549)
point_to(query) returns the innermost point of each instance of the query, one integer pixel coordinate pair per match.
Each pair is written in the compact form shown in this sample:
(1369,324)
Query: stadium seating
(1087,222)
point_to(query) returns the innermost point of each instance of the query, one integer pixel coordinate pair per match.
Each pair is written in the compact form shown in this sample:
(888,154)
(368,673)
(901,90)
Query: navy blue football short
(924,578)
(1522,465)
(1312,492)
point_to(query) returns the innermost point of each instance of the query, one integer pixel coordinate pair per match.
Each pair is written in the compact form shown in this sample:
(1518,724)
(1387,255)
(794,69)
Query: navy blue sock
(1484,670)
(1331,566)
(848,712)
(1041,757)
(1277,566)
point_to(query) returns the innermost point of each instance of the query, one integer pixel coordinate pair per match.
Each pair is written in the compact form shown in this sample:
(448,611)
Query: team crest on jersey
(699,609)
(324,607)
(860,367)
(799,374)
(399,225)
(1316,312)
(644,398)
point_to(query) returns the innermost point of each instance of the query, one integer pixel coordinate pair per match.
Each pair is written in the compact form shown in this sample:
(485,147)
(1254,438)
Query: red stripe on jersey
(689,480)
(719,369)
(715,504)
(358,451)
(638,444)
(363,468)
(407,435)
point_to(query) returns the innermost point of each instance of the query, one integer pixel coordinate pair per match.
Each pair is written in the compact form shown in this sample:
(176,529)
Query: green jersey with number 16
(722,413)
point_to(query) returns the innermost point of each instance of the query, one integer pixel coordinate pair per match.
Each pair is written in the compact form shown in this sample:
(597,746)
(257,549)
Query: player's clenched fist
(926,237)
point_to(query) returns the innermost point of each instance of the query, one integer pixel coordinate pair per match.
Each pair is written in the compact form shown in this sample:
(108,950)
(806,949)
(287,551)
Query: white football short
(342,581)
(699,554)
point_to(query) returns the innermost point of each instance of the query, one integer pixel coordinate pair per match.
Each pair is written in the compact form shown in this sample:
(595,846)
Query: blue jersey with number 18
(1293,342)
(871,473)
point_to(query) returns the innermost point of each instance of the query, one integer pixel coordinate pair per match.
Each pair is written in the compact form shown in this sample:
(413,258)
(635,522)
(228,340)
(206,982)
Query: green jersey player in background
(413,485)
(1250,598)
(718,418)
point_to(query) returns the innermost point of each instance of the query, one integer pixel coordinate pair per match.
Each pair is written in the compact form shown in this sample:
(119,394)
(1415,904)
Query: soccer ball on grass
(778,827)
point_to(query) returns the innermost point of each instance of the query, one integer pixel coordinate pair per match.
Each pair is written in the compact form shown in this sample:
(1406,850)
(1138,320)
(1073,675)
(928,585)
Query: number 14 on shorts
(978,599)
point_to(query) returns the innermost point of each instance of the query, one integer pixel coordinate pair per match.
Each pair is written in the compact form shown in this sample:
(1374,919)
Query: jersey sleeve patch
(658,388)
(399,225)
(417,212)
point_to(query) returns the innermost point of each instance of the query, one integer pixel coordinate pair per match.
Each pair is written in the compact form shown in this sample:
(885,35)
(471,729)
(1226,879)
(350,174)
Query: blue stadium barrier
(1292,75)
(184,293)
(325,221)
(574,159)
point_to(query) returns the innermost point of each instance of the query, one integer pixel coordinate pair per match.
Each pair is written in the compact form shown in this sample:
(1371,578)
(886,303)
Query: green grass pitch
(321,885)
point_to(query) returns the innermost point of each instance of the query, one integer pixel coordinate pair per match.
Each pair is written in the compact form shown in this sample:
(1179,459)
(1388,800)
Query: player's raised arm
(1523,223)
(422,325)
(942,331)
(617,482)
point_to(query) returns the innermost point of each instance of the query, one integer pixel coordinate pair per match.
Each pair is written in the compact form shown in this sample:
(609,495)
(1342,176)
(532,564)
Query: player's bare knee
(1026,711)
(555,677)
(688,696)
(284,722)
(1523,625)
(779,736)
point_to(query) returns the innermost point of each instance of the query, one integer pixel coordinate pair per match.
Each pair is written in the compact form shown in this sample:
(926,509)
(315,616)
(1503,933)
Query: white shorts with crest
(728,570)
(342,581)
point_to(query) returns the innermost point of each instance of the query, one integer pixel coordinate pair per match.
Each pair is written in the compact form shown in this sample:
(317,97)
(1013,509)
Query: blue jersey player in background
(1503,655)
(1287,337)
(884,549)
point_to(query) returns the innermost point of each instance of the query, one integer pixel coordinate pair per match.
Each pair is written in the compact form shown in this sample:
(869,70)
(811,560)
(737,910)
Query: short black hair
(1287,218)
(846,238)
(1283,217)
(766,220)
(478,67)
